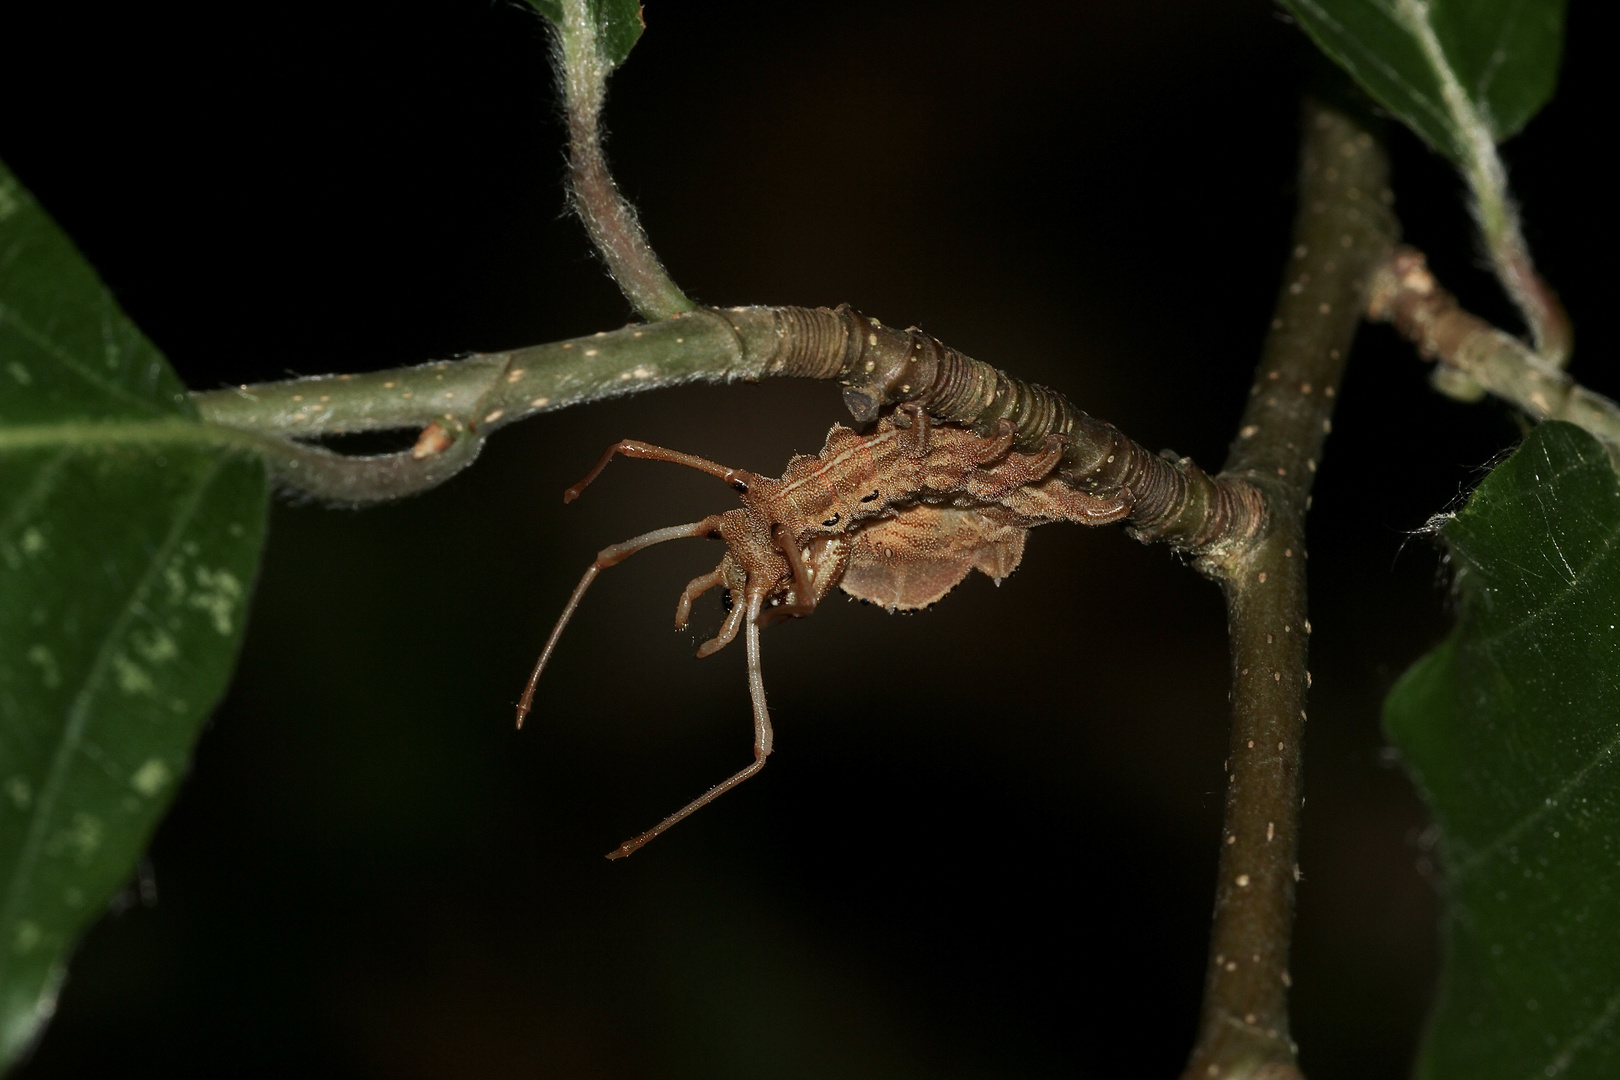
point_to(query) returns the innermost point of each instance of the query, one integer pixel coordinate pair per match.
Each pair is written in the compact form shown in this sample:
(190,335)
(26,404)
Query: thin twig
(1342,230)
(1405,293)
(459,403)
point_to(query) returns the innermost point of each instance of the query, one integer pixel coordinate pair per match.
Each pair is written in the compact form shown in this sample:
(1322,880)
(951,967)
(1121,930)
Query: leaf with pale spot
(1511,729)
(129,541)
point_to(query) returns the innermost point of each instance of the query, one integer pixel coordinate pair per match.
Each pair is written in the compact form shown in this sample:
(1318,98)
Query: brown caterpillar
(897,517)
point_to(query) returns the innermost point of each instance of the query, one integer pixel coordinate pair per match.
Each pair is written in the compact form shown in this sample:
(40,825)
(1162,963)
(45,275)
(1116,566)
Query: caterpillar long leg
(609,556)
(763,736)
(737,478)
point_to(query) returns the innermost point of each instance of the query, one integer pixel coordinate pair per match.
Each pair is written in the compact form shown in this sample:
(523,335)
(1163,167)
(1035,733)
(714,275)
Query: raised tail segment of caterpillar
(898,517)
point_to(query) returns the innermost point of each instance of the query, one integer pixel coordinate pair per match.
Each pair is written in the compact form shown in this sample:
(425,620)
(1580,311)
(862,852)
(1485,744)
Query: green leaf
(618,24)
(1445,67)
(1512,729)
(129,539)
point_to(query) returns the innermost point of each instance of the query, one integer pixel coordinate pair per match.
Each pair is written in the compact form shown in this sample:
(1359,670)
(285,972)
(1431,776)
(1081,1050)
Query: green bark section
(1501,54)
(127,551)
(1511,730)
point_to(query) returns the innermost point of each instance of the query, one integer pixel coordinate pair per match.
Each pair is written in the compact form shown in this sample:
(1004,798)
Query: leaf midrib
(166,430)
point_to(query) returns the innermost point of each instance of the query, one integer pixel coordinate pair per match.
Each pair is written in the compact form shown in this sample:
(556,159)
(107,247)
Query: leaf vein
(39,490)
(1552,802)
(1581,1041)
(1565,591)
(8,317)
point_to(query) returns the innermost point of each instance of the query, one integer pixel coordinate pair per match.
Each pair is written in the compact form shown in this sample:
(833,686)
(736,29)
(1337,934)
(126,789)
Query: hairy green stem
(457,404)
(1491,202)
(490,390)
(1343,229)
(609,218)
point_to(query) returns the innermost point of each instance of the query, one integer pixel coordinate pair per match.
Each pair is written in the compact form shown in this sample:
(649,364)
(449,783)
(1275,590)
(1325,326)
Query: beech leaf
(1511,729)
(129,540)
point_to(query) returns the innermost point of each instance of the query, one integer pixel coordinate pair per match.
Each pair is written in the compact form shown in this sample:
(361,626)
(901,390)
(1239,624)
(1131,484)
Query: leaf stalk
(609,218)
(1491,202)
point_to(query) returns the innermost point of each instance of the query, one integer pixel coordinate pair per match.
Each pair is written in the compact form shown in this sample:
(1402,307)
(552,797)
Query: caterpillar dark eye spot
(830,522)
(869,498)
(739,487)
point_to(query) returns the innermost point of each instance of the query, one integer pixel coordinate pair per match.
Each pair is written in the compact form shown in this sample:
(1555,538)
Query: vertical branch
(1342,230)
(608,216)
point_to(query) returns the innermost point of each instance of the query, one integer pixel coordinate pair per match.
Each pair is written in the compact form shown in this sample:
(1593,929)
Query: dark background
(985,846)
